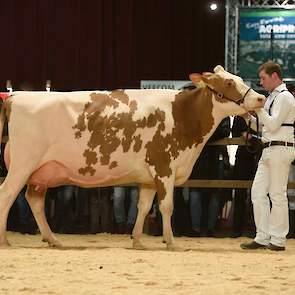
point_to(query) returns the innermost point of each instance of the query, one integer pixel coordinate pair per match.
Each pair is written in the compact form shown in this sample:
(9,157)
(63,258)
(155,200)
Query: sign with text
(164,84)
(263,34)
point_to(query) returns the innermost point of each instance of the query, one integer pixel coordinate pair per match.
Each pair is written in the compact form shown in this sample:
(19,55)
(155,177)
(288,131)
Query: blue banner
(263,35)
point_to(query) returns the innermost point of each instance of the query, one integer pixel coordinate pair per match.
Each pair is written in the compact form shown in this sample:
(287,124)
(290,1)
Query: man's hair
(271,67)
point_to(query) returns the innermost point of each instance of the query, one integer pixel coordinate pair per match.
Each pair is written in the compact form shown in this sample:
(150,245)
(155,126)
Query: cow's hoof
(5,245)
(138,246)
(53,244)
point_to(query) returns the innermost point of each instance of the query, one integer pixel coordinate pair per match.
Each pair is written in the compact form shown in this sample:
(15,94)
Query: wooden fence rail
(210,183)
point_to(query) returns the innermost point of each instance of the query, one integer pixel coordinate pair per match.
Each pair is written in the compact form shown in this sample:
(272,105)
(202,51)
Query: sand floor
(106,264)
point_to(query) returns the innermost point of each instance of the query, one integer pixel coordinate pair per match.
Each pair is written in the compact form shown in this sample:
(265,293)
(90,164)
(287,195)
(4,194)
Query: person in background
(93,210)
(121,193)
(100,209)
(244,169)
(64,201)
(209,165)
(26,221)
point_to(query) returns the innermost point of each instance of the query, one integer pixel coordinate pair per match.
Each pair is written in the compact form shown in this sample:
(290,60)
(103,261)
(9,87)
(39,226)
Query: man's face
(267,81)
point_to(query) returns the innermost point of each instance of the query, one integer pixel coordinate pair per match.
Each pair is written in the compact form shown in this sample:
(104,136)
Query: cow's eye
(229,82)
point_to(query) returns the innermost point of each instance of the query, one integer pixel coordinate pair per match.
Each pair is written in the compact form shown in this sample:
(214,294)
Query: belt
(275,142)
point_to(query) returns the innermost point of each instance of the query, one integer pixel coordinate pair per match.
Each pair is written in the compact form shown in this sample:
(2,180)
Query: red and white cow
(100,138)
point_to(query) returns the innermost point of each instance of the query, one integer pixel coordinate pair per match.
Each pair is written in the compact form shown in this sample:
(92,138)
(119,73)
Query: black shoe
(252,246)
(273,247)
(67,230)
(27,229)
(210,234)
(121,228)
(291,236)
(177,234)
(236,234)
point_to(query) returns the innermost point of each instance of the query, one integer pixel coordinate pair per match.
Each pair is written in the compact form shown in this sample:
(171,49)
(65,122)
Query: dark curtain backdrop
(106,44)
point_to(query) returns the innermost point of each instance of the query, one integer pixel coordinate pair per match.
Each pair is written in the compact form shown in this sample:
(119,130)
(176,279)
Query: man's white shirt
(282,111)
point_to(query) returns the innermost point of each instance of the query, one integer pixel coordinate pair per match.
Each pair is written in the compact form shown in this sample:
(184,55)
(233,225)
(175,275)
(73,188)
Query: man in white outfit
(271,179)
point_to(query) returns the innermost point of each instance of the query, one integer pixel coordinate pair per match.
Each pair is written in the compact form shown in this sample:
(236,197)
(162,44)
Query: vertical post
(9,86)
(271,44)
(48,85)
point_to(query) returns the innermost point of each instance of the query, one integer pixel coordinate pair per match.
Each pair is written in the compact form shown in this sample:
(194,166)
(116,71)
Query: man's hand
(246,134)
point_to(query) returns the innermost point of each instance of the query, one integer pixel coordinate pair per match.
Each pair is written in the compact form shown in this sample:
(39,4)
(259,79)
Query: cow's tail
(3,97)
(2,121)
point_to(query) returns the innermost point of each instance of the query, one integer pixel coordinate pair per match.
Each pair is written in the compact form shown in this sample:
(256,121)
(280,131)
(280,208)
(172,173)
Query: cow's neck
(194,117)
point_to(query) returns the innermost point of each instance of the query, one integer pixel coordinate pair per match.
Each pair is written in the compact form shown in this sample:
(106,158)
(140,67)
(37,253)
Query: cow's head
(230,88)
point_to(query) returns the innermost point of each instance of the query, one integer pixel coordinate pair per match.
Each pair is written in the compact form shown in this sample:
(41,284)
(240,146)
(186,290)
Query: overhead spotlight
(213,6)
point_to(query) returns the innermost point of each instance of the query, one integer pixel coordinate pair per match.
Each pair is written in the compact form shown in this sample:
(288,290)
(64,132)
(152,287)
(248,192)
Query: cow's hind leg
(22,165)
(146,196)
(36,201)
(7,197)
(10,188)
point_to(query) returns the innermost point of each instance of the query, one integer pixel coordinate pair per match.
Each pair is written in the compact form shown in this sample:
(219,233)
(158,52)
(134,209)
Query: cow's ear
(201,79)
(206,77)
(219,68)
(195,78)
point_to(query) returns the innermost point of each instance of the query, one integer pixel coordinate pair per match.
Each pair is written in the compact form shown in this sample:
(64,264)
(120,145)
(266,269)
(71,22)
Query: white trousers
(271,178)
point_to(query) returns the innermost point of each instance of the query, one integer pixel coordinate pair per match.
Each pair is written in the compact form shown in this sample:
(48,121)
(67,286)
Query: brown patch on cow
(104,130)
(98,125)
(120,95)
(86,170)
(99,101)
(161,190)
(114,164)
(141,123)
(91,157)
(153,119)
(80,125)
(192,113)
(137,144)
(157,154)
(133,106)
(193,119)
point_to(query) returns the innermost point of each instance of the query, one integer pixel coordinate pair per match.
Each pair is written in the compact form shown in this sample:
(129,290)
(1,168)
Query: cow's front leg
(4,242)
(36,201)
(165,197)
(146,196)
